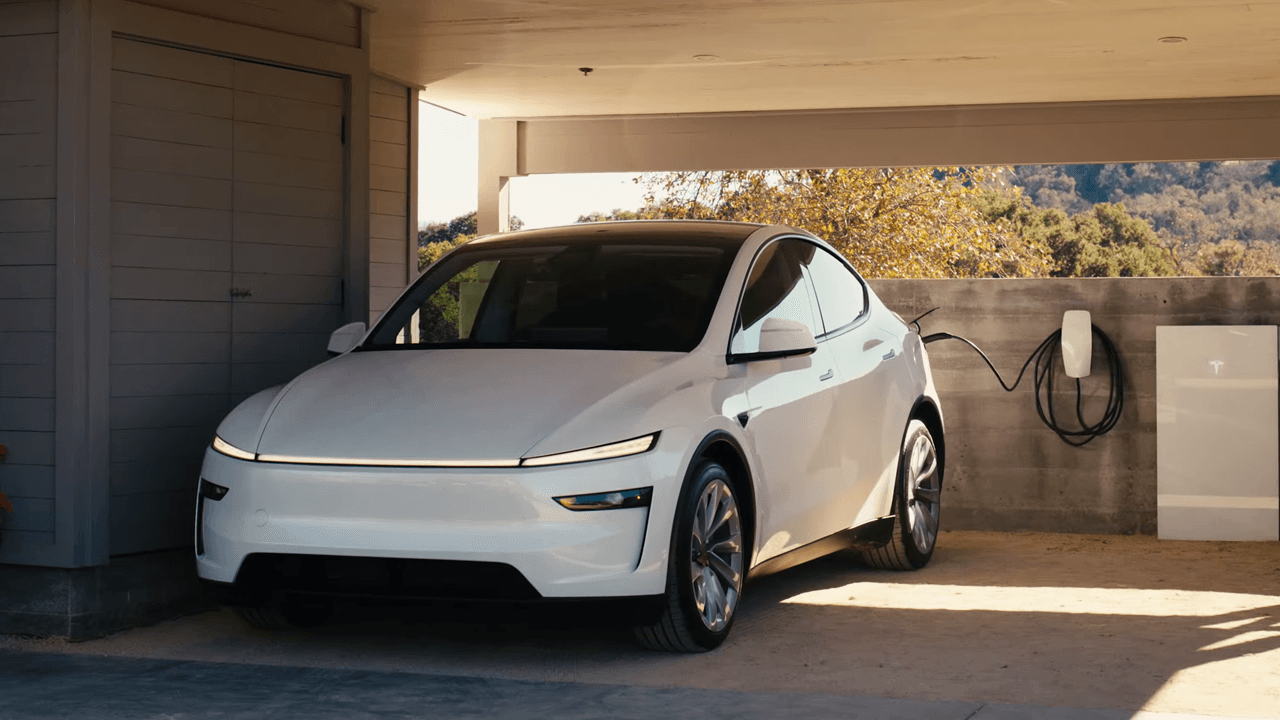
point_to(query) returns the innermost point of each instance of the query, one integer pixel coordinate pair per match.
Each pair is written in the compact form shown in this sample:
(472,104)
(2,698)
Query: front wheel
(706,568)
(917,502)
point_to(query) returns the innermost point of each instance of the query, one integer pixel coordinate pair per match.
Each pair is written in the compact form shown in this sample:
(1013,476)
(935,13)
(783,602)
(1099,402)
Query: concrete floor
(999,626)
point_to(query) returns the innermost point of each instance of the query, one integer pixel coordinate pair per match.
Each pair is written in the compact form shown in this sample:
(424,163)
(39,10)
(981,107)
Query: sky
(447,180)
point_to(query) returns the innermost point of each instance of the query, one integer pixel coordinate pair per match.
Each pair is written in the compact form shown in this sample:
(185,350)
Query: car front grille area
(373,577)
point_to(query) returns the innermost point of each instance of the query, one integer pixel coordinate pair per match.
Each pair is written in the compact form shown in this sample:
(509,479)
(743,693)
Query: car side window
(840,293)
(776,288)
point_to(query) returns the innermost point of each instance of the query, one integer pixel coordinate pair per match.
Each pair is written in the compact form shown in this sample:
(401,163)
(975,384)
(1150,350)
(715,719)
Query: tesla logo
(1217,365)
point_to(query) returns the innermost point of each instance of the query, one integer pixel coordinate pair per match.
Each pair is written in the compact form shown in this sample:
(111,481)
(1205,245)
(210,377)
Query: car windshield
(592,295)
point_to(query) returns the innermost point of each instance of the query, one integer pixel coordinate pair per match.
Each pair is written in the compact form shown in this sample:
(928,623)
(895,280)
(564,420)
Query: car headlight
(636,497)
(230,450)
(634,446)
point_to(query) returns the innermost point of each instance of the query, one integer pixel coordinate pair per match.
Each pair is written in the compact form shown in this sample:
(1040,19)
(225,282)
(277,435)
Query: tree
(1049,186)
(615,214)
(1232,257)
(433,251)
(896,222)
(438,232)
(1109,242)
(1217,217)
(1103,241)
(437,238)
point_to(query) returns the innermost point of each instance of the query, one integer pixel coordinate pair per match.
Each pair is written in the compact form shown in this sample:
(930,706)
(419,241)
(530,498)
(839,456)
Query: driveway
(999,626)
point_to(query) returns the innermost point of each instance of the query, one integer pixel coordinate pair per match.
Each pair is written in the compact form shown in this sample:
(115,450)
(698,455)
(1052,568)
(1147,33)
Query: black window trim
(733,358)
(866,296)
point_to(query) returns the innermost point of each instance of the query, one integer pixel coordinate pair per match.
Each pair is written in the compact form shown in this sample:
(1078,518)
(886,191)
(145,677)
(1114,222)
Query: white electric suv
(654,410)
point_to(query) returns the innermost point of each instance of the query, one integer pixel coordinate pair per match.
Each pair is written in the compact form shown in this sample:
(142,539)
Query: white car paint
(822,453)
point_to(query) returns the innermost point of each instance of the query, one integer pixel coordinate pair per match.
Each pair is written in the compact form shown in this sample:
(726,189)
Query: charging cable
(1043,358)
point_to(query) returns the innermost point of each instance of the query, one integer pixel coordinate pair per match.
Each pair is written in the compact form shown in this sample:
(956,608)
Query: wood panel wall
(28,155)
(389,231)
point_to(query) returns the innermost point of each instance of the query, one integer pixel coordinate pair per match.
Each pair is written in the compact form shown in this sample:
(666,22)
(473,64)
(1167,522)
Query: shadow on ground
(1068,621)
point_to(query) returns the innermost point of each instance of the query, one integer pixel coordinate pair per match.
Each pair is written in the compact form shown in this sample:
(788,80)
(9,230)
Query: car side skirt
(868,535)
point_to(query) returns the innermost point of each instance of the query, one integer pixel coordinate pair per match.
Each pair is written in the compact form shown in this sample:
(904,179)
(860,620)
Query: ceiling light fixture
(1172,39)
(706,58)
(585,71)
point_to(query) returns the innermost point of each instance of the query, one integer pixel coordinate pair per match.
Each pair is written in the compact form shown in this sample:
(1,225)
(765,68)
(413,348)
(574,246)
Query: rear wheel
(706,569)
(917,504)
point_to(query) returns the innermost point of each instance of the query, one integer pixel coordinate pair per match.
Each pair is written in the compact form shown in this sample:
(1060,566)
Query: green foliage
(437,238)
(615,214)
(445,232)
(1102,241)
(1217,218)
(1109,242)
(1232,257)
(433,251)
(437,232)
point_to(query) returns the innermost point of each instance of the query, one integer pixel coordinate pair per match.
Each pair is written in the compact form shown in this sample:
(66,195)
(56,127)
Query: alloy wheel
(716,549)
(924,492)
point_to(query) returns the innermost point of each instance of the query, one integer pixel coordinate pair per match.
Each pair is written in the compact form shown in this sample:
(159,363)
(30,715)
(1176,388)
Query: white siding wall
(226,261)
(389,230)
(28,142)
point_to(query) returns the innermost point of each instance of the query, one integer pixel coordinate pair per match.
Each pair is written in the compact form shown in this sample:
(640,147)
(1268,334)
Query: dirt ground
(1060,620)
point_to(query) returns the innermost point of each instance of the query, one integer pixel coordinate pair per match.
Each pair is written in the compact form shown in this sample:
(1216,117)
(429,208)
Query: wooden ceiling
(521,58)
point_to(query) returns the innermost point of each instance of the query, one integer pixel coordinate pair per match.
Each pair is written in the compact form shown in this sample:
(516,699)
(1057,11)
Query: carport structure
(194,193)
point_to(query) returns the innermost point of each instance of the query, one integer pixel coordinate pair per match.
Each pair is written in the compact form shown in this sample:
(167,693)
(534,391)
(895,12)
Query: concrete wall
(90,601)
(1006,471)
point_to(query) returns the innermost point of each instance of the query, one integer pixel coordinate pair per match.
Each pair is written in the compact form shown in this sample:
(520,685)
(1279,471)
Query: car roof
(696,232)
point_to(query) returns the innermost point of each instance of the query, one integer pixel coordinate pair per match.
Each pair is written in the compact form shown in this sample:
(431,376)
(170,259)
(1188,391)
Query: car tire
(916,505)
(289,615)
(706,570)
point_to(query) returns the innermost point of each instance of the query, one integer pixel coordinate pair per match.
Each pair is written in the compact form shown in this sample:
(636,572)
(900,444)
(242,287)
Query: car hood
(453,404)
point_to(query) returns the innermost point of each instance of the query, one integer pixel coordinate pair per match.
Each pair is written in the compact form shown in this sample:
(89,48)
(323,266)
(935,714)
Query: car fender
(684,445)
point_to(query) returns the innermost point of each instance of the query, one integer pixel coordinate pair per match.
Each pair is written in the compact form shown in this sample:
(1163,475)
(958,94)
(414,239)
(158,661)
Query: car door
(791,405)
(863,412)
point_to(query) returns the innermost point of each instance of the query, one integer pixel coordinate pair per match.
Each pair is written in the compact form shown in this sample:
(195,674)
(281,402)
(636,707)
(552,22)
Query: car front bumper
(469,515)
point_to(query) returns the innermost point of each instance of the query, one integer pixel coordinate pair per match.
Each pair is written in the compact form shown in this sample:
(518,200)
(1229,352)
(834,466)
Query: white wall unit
(1217,436)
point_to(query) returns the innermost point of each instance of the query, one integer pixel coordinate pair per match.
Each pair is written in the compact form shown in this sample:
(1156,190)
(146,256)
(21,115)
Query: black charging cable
(1043,358)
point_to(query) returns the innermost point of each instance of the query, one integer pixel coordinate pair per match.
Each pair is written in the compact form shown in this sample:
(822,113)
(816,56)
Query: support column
(499,162)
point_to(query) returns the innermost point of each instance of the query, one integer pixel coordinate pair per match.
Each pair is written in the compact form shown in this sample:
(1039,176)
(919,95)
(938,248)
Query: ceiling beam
(1059,133)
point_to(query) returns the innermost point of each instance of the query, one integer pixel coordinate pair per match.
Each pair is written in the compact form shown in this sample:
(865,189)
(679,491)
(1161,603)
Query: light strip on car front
(383,462)
(230,450)
(634,446)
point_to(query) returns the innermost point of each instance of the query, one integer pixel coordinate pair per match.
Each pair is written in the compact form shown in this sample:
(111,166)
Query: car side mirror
(346,337)
(780,338)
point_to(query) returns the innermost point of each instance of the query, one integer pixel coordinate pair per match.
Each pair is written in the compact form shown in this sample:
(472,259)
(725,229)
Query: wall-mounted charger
(1075,340)
(1077,343)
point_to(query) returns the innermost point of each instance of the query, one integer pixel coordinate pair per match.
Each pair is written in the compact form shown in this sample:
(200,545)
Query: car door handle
(871,343)
(826,376)
(888,355)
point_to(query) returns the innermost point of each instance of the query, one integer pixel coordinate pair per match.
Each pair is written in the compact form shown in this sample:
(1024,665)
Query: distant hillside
(1193,206)
(1217,217)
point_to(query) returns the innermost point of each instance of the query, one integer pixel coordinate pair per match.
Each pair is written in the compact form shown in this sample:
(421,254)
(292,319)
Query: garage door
(226,260)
